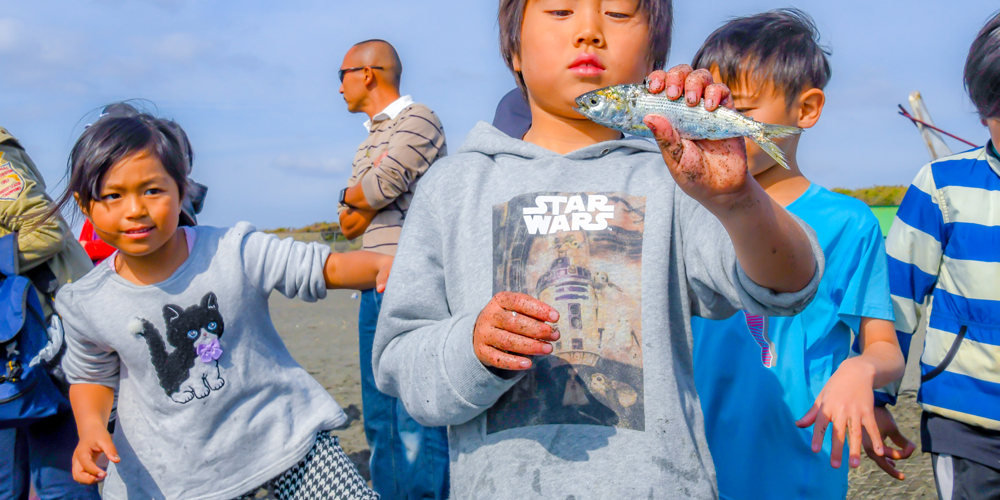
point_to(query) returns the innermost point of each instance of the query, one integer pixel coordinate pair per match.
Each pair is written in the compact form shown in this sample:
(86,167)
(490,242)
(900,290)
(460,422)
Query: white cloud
(182,47)
(10,34)
(311,166)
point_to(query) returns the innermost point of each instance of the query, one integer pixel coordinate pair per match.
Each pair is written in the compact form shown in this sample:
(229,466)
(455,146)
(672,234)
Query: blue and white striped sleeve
(914,247)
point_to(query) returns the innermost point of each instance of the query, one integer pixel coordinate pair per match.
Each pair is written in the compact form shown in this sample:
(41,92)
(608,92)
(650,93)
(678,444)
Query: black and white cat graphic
(191,369)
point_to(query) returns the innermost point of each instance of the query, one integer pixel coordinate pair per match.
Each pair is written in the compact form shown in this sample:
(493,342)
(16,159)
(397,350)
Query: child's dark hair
(115,137)
(982,70)
(779,46)
(659,15)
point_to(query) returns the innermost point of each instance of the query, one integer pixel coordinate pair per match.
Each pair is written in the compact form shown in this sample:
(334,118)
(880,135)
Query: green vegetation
(876,196)
(319,227)
(320,232)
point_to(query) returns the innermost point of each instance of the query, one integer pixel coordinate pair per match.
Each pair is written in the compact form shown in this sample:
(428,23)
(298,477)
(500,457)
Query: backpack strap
(8,255)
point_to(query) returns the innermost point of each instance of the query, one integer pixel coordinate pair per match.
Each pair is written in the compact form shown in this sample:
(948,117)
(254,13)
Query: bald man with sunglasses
(408,461)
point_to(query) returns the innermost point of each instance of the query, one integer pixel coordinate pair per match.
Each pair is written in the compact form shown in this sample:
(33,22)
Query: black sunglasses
(344,71)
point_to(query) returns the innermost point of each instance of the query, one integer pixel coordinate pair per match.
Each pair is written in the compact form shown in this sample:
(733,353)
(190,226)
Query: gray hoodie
(605,236)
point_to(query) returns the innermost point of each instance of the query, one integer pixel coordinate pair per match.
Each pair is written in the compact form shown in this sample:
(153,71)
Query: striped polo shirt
(403,141)
(945,244)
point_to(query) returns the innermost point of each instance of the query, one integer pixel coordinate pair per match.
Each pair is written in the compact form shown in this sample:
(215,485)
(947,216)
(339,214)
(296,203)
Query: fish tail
(763,139)
(771,149)
(779,131)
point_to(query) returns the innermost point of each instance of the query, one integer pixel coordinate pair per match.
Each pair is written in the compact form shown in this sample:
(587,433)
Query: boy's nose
(590,29)
(590,36)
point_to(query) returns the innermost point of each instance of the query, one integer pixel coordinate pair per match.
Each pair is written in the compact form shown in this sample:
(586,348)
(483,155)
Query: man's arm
(354,222)
(416,142)
(355,195)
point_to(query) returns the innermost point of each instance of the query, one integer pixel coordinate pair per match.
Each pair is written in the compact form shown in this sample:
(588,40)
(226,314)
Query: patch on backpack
(11,183)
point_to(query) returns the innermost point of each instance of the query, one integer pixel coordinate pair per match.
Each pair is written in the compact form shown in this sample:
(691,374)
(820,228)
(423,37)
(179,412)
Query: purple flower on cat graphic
(209,352)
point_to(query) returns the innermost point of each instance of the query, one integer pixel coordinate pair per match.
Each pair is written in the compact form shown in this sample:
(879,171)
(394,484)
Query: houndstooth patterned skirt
(324,473)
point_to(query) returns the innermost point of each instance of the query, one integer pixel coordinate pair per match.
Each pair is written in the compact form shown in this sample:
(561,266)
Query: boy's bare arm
(359,270)
(880,349)
(846,400)
(772,248)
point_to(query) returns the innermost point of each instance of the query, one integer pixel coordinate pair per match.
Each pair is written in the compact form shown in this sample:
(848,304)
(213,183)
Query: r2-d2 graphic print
(582,254)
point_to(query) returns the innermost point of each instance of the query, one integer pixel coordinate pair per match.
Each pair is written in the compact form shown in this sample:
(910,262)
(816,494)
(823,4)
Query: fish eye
(193,334)
(593,101)
(212,326)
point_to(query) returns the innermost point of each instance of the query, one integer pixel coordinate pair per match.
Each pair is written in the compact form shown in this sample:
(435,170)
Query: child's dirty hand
(887,427)
(512,324)
(92,444)
(846,401)
(693,85)
(384,266)
(712,172)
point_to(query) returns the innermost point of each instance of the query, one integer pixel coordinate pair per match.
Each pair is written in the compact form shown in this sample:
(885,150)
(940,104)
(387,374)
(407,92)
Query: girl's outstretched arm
(359,270)
(92,408)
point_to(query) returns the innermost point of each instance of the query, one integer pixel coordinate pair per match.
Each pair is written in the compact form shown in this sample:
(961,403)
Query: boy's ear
(515,62)
(811,104)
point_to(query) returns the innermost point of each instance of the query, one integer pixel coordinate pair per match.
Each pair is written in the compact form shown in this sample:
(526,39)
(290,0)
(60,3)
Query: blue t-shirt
(756,376)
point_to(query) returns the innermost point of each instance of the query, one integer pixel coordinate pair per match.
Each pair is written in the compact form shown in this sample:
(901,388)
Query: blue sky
(254,83)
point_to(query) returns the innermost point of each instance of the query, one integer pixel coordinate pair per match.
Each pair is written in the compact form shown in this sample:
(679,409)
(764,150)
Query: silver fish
(622,107)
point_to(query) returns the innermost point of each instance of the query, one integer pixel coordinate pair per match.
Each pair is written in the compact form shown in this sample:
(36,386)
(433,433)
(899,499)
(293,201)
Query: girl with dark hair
(224,410)
(97,249)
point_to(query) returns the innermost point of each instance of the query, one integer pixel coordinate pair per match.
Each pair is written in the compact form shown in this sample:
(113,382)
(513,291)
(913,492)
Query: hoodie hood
(487,140)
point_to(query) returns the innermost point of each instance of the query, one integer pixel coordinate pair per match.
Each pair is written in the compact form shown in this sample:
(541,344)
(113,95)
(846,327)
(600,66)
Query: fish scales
(623,108)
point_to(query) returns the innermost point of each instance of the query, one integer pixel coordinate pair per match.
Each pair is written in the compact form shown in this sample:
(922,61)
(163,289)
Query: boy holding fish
(757,374)
(541,297)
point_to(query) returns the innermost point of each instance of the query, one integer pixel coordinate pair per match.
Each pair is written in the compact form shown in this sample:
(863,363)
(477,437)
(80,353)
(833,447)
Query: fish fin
(772,149)
(779,131)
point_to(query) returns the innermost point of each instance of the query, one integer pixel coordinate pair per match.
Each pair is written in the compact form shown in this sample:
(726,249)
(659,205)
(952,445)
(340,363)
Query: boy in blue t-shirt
(758,377)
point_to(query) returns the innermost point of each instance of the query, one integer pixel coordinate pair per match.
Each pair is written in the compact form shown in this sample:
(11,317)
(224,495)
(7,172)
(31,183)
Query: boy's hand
(92,444)
(887,427)
(848,402)
(511,324)
(712,172)
(384,266)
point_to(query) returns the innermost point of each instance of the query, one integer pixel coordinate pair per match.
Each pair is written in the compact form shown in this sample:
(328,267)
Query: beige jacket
(23,201)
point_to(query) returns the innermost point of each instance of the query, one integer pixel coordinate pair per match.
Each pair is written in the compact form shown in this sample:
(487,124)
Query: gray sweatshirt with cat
(604,235)
(211,404)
